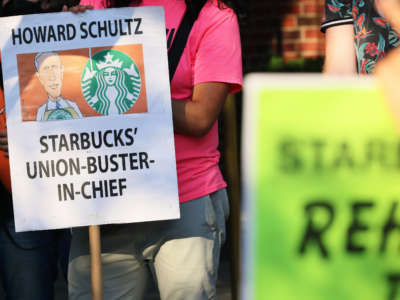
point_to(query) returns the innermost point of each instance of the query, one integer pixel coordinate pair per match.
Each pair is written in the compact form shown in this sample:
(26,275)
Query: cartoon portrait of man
(50,72)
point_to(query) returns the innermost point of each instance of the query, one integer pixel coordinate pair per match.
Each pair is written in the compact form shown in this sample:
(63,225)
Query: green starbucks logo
(60,114)
(111,82)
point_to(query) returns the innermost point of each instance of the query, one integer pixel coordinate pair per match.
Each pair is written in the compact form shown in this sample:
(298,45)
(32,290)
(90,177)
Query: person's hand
(387,70)
(77,9)
(4,141)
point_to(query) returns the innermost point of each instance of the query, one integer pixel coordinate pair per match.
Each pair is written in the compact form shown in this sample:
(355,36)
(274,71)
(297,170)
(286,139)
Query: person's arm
(337,24)
(387,70)
(217,71)
(340,55)
(196,117)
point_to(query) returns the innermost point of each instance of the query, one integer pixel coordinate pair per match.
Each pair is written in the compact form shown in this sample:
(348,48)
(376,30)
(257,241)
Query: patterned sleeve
(337,12)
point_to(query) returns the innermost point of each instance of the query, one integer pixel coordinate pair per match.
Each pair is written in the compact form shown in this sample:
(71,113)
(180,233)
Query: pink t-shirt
(212,54)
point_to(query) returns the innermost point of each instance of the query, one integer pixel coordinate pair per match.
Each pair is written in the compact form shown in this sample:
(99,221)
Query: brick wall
(284,28)
(300,28)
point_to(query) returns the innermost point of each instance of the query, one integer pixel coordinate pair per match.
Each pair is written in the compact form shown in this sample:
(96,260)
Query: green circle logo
(111,82)
(60,114)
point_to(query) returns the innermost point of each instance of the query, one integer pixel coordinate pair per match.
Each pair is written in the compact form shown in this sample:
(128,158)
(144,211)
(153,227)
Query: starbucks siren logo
(60,114)
(111,82)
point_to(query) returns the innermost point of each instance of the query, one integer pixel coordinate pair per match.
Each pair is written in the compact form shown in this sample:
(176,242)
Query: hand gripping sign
(89,118)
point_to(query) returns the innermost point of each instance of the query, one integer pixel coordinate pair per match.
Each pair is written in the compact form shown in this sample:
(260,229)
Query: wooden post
(95,262)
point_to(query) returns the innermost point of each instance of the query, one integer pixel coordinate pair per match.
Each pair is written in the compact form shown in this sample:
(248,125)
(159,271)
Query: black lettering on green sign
(318,147)
(320,214)
(376,152)
(394,282)
(389,227)
(343,157)
(313,232)
(290,157)
(318,154)
(357,226)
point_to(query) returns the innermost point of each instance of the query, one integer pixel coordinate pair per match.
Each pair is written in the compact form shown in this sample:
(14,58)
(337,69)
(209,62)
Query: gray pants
(182,256)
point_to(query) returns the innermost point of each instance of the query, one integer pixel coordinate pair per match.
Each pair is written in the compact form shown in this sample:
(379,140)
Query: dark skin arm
(196,117)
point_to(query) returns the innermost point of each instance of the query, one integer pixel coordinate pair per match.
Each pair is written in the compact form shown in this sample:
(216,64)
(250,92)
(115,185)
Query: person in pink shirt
(181,255)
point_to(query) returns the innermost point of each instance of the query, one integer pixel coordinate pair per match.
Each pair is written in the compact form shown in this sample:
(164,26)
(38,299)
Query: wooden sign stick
(95,262)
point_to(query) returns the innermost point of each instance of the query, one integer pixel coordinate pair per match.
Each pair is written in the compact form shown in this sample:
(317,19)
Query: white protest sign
(89,118)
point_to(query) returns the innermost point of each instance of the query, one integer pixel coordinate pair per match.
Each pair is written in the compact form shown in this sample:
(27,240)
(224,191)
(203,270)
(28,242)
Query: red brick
(291,35)
(289,22)
(313,33)
(311,46)
(310,9)
(289,47)
(309,20)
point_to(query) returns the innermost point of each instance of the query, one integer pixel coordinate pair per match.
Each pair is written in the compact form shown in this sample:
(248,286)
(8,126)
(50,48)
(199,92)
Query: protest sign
(321,172)
(89,118)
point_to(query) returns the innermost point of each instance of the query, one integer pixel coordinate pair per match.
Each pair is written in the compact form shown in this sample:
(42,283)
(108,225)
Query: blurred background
(283,36)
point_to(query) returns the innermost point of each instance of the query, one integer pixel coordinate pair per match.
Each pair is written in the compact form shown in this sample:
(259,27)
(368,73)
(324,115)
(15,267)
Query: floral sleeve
(337,12)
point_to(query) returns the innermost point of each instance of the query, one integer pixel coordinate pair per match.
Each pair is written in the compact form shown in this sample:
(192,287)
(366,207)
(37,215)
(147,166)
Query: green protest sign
(321,162)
